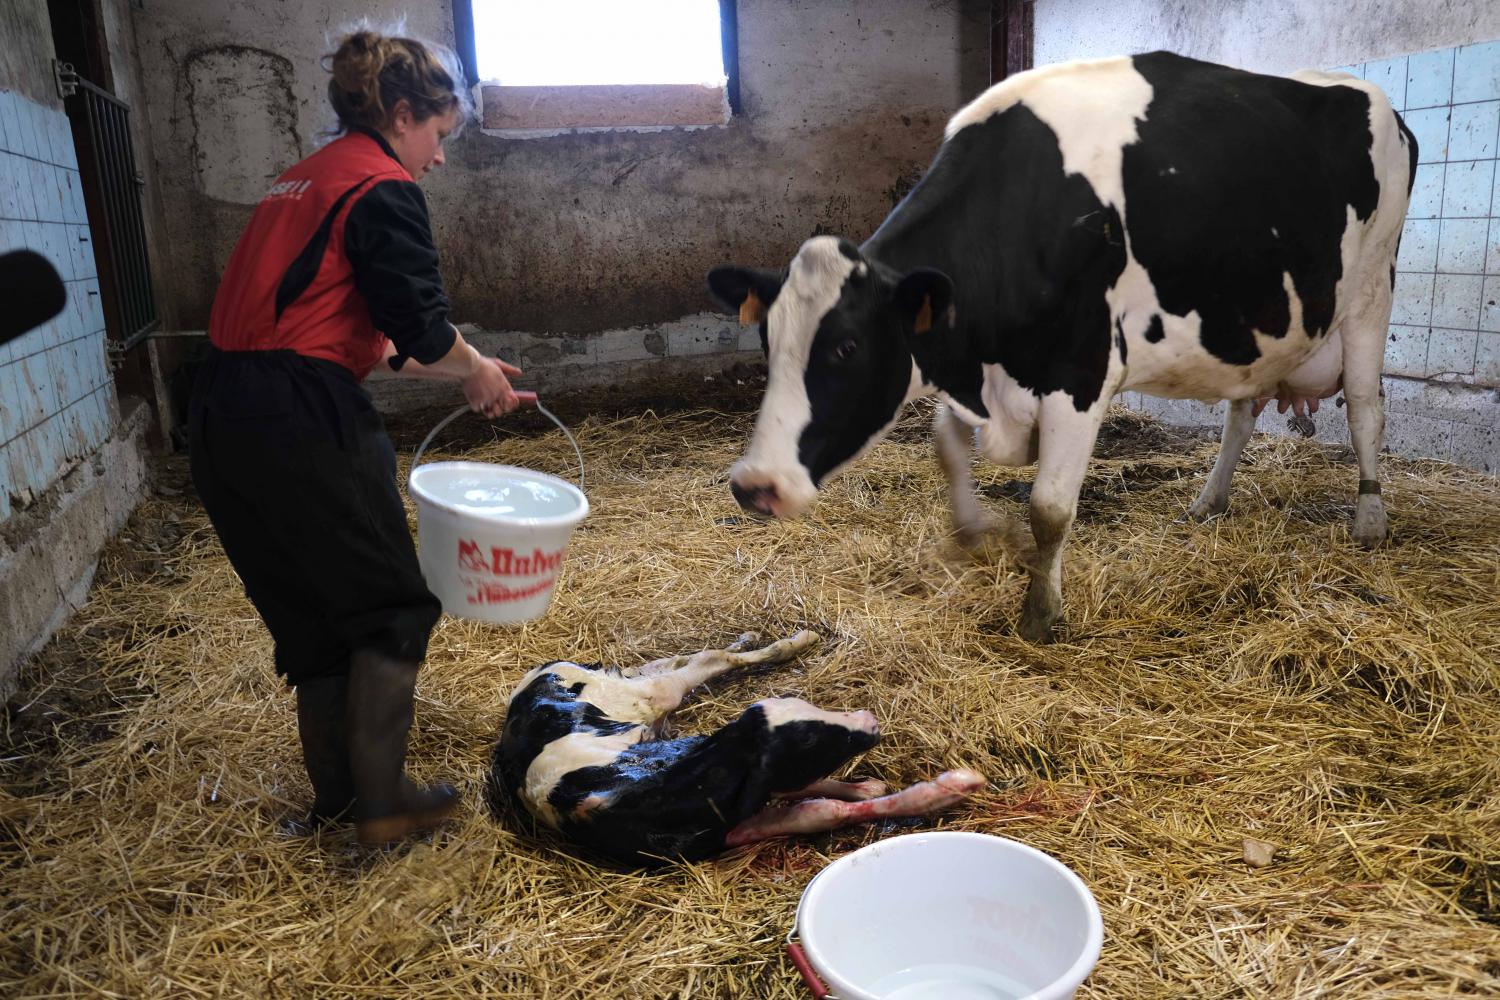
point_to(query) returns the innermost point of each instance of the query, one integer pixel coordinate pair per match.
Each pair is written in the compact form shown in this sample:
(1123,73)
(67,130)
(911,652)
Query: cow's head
(837,329)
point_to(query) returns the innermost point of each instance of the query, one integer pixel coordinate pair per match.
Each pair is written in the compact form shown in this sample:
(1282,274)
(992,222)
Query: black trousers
(298,476)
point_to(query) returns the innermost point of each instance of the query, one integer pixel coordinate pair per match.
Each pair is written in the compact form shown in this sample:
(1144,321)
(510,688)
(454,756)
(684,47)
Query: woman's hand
(485,381)
(487,387)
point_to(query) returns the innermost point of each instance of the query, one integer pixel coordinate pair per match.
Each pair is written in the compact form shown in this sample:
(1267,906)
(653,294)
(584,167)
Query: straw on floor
(1253,679)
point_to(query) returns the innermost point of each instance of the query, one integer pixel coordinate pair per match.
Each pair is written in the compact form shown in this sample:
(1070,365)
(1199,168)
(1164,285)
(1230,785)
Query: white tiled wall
(1442,357)
(57,398)
(1446,321)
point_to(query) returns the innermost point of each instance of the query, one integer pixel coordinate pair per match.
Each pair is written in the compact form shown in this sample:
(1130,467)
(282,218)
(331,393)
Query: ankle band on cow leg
(1369,487)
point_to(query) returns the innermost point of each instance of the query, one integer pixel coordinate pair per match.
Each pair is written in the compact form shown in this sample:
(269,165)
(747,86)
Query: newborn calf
(581,751)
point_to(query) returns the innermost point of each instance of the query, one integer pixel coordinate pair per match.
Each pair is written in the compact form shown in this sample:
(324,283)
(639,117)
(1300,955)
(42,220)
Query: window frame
(465,45)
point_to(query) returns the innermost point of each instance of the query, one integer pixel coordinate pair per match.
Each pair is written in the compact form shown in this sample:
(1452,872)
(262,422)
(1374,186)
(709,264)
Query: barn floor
(1255,677)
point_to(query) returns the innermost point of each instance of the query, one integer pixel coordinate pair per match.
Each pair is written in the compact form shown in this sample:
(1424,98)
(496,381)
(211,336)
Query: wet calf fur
(580,751)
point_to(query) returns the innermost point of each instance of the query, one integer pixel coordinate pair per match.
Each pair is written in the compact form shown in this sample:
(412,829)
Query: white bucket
(948,915)
(492,537)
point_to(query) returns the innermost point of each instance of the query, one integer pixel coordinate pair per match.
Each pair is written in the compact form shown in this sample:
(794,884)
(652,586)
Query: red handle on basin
(810,977)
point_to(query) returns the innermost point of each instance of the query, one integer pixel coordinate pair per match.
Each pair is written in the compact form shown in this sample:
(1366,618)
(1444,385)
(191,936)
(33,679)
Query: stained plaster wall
(72,452)
(582,256)
(1435,61)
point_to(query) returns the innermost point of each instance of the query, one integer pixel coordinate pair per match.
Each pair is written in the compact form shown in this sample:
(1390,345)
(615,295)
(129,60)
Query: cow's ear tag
(752,310)
(923,321)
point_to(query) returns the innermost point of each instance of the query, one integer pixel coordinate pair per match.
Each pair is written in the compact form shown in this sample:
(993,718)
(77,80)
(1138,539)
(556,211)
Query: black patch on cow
(1120,340)
(858,370)
(1030,250)
(849,250)
(679,798)
(1236,180)
(543,711)
(1154,332)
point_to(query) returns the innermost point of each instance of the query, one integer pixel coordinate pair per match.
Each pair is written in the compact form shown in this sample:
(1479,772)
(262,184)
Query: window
(599,64)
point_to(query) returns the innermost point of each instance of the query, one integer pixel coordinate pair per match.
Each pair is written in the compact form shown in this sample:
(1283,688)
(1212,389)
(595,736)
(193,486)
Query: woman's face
(419,144)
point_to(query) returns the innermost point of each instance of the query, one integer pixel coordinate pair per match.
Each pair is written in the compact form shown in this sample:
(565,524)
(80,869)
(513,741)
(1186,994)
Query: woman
(335,274)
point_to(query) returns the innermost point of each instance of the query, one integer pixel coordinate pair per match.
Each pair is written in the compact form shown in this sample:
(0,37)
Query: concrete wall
(1440,64)
(1269,36)
(70,468)
(589,249)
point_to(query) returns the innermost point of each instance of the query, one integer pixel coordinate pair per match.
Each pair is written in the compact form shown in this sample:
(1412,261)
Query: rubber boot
(322,707)
(388,805)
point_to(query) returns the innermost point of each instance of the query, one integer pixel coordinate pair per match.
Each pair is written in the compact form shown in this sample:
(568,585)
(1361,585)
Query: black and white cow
(581,751)
(1151,223)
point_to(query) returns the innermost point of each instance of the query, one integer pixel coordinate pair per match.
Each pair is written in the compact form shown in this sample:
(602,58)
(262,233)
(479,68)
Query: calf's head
(836,329)
(802,743)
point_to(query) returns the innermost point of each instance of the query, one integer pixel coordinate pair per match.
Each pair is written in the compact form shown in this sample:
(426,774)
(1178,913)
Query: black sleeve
(388,239)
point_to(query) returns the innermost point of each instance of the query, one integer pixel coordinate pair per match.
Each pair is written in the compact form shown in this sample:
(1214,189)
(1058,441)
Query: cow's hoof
(1202,510)
(1036,628)
(1370,525)
(972,533)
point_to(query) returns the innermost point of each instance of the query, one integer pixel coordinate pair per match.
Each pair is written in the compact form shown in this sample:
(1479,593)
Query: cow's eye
(845,350)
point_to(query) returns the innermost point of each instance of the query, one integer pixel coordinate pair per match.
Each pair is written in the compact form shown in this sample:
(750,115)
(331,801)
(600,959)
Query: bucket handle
(525,397)
(804,967)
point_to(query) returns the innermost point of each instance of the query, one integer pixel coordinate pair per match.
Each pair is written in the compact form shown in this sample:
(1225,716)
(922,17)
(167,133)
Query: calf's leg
(668,684)
(818,815)
(828,788)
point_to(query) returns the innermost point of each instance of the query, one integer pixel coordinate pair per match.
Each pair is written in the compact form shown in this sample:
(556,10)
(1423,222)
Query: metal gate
(102,123)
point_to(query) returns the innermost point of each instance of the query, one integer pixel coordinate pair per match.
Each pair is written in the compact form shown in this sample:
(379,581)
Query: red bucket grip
(809,976)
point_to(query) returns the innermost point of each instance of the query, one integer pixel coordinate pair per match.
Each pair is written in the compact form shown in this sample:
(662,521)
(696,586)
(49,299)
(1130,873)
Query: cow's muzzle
(757,499)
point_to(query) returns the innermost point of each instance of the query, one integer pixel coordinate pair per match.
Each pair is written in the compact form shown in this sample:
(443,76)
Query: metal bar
(118,231)
(463,38)
(96,152)
(144,300)
(125,278)
(729,38)
(130,199)
(1011,34)
(131,342)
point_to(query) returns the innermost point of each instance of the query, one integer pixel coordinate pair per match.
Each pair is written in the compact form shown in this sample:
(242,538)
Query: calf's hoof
(793,646)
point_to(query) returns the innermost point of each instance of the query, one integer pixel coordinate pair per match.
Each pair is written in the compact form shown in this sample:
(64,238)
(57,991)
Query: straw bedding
(1255,678)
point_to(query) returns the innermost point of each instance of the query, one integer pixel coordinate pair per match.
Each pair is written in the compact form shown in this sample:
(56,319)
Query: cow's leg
(954,448)
(667,687)
(818,815)
(1066,442)
(849,791)
(1364,357)
(1239,422)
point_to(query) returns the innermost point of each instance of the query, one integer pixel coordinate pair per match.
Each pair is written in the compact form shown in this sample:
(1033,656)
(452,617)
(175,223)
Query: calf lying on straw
(581,751)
